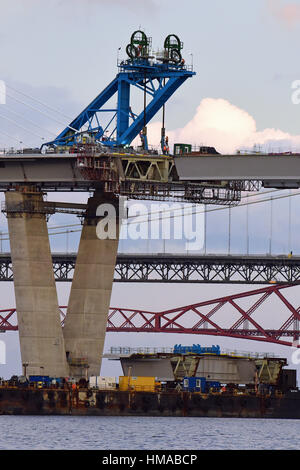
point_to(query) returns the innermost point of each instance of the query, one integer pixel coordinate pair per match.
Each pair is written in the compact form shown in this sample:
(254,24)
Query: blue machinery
(196,349)
(156,75)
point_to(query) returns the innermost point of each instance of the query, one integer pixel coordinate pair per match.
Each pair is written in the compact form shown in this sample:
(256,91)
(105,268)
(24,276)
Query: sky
(64,53)
(245,92)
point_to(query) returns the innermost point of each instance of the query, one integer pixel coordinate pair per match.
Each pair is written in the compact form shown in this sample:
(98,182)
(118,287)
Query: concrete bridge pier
(40,332)
(86,319)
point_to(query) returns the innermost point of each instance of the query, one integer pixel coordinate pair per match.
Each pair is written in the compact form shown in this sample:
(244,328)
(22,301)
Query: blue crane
(157,76)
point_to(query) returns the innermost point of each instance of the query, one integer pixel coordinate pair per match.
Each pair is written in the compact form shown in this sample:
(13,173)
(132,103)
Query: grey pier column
(40,332)
(86,319)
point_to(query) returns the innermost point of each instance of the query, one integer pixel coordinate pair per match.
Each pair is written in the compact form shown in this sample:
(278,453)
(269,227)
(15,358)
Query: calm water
(132,433)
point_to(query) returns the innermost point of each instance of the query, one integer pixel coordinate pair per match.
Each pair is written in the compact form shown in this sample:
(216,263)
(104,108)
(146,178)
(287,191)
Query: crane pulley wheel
(132,51)
(175,56)
(139,38)
(172,42)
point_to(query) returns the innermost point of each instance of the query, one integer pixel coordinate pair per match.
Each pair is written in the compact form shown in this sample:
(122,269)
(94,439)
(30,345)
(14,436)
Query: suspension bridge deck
(170,268)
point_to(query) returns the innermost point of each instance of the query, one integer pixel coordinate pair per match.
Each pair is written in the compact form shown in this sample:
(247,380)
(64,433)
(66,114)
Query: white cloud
(227,127)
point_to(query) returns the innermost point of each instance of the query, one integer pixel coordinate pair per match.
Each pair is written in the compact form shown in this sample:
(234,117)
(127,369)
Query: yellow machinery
(138,384)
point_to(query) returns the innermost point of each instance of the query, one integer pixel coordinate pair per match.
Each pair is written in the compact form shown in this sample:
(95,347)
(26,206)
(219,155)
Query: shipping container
(103,383)
(145,384)
(200,384)
(40,378)
(194,384)
(180,149)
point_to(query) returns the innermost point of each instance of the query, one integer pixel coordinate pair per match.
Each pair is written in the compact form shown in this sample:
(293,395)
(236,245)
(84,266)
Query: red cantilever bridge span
(264,314)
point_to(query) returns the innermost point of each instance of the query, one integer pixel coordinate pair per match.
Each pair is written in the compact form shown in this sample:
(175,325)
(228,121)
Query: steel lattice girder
(182,268)
(179,320)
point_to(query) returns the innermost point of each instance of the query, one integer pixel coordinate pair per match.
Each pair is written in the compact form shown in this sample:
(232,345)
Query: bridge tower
(41,338)
(89,302)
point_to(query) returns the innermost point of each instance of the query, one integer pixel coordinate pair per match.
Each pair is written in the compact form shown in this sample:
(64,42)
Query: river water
(146,433)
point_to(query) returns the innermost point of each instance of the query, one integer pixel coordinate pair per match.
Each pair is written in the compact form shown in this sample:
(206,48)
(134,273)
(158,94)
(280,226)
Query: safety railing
(170,350)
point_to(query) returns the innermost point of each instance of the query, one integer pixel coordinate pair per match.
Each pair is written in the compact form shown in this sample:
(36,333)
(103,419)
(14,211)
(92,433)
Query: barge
(86,402)
(185,381)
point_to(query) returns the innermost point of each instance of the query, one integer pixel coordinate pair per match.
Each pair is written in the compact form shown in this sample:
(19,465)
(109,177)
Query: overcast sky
(64,52)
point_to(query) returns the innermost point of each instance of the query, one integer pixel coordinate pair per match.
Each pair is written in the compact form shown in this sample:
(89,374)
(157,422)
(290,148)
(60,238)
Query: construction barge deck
(86,402)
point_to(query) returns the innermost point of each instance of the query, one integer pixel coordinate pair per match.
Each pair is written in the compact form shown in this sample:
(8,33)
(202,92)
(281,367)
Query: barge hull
(117,403)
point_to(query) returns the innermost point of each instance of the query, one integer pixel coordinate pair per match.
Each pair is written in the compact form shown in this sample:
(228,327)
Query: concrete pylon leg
(40,332)
(86,319)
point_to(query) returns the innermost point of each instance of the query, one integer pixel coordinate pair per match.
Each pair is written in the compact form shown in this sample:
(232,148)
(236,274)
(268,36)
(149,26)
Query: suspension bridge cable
(42,112)
(22,127)
(158,212)
(29,120)
(39,101)
(11,136)
(203,211)
(63,226)
(50,234)
(55,227)
(209,210)
(51,228)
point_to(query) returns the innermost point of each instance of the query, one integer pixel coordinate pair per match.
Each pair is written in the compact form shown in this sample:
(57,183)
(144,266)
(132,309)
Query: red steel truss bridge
(267,314)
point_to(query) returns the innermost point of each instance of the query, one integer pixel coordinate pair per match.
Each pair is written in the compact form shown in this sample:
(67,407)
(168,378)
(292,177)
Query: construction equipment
(158,76)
